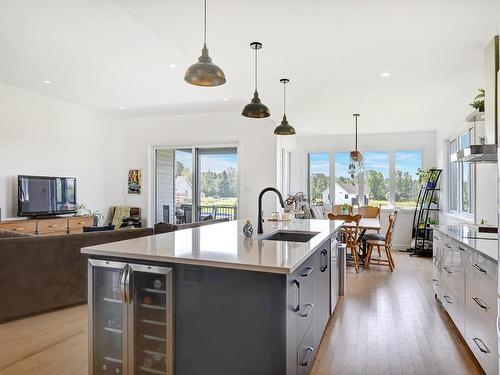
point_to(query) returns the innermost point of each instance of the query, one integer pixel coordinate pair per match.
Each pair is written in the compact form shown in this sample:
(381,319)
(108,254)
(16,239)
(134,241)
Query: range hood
(486,150)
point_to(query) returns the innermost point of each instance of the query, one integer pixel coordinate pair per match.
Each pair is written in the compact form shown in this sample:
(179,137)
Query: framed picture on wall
(134,182)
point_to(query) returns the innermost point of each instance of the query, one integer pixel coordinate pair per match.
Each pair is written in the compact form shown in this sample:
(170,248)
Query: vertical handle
(122,284)
(297,282)
(307,356)
(127,285)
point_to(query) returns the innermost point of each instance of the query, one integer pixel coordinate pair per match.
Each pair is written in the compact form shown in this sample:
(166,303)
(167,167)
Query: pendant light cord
(284,98)
(255,69)
(205,25)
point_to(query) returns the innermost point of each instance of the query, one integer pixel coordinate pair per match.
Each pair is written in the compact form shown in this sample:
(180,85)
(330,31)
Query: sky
(213,162)
(405,160)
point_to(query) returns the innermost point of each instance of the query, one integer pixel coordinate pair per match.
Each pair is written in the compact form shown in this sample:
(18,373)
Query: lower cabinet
(466,282)
(308,309)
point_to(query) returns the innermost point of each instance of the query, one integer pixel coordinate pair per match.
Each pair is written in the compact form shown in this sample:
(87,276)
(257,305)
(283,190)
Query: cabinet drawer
(20,226)
(454,306)
(52,226)
(453,269)
(306,353)
(482,275)
(77,223)
(484,347)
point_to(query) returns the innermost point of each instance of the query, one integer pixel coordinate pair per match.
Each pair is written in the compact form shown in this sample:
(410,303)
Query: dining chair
(337,209)
(386,244)
(371,212)
(350,235)
(317,212)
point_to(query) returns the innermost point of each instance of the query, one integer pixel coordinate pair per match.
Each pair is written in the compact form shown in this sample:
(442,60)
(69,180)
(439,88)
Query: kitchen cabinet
(466,281)
(130,318)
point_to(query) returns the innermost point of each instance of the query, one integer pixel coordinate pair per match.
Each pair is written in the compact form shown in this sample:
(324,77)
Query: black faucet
(260,219)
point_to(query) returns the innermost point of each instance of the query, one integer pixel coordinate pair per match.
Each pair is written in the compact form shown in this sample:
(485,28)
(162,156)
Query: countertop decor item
(248,229)
(284,128)
(255,109)
(356,163)
(205,72)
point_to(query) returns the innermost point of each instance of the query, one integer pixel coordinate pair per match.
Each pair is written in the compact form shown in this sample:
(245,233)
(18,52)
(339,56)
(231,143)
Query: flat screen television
(45,196)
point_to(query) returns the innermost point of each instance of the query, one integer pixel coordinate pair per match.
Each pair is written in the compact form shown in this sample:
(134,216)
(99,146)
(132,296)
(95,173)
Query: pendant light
(255,109)
(356,163)
(204,72)
(284,128)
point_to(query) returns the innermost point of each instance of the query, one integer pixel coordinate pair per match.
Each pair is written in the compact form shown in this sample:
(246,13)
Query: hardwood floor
(388,323)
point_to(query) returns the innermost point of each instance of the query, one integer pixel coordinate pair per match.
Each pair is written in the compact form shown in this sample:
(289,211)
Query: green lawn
(211,201)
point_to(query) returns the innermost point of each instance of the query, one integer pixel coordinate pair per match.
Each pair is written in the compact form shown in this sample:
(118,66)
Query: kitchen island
(209,300)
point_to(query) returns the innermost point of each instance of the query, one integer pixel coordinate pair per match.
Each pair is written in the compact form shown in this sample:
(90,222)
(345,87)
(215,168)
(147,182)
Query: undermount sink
(290,236)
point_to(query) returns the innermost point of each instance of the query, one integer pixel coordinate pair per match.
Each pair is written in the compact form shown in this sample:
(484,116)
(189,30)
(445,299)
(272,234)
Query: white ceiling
(107,54)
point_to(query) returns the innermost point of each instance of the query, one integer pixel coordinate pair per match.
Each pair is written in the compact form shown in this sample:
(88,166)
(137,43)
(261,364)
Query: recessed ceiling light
(385,74)
(225,99)
(47,82)
(173,66)
(122,107)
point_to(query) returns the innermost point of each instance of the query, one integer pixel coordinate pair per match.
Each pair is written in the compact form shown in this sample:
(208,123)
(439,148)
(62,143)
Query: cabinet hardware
(448,299)
(436,281)
(127,285)
(479,268)
(447,246)
(480,302)
(307,356)
(447,269)
(460,248)
(297,282)
(307,310)
(307,272)
(483,348)
(122,284)
(324,266)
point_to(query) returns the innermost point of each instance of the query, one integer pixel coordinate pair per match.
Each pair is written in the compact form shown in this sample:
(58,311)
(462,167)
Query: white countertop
(224,245)
(488,247)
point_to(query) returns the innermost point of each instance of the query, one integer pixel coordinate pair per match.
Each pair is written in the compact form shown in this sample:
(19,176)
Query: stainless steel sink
(290,236)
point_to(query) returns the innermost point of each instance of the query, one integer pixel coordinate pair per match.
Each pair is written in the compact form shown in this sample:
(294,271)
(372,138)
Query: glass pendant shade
(284,128)
(255,109)
(356,162)
(205,72)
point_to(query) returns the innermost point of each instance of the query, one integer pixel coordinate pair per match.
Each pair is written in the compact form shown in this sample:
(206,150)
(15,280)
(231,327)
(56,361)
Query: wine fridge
(130,318)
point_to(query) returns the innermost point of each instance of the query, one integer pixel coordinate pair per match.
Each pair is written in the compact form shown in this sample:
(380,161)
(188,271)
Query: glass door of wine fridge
(107,317)
(151,320)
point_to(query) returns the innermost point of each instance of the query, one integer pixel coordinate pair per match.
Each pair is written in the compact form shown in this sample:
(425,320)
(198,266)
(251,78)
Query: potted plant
(424,176)
(81,209)
(344,209)
(478,102)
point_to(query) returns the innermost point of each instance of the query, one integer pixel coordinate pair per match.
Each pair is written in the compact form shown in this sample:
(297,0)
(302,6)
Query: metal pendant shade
(255,109)
(205,72)
(284,128)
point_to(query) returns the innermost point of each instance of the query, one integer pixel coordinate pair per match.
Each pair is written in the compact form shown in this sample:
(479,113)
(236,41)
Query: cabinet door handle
(447,246)
(460,248)
(447,269)
(481,347)
(448,299)
(480,302)
(436,281)
(127,285)
(122,284)
(479,268)
(324,267)
(307,272)
(307,356)
(297,283)
(307,310)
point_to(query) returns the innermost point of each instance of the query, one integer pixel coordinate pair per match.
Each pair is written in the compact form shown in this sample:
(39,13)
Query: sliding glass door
(194,184)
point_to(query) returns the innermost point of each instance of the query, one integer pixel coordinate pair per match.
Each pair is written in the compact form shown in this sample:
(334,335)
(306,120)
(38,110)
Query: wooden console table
(51,226)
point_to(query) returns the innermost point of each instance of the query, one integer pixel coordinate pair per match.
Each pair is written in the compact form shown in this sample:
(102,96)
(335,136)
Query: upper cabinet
(491,64)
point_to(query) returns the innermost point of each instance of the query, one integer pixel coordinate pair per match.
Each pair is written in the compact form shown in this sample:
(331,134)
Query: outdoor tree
(319,183)
(405,186)
(378,185)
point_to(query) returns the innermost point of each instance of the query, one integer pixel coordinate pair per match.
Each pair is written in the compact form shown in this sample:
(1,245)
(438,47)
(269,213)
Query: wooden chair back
(372,212)
(350,233)
(390,228)
(337,209)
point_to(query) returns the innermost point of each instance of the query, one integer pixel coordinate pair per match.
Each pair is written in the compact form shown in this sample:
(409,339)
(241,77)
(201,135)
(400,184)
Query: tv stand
(52,225)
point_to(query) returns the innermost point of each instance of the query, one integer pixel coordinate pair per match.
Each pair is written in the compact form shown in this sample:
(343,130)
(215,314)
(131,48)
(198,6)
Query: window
(376,178)
(389,179)
(195,183)
(346,188)
(319,178)
(406,179)
(460,198)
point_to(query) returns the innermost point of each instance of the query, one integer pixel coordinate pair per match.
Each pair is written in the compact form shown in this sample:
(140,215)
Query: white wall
(256,151)
(43,136)
(303,145)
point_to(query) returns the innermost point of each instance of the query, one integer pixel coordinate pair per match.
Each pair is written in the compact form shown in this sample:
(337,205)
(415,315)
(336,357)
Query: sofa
(42,273)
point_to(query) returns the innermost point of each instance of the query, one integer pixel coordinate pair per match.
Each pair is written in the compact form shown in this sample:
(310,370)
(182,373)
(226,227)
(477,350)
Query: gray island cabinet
(210,301)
